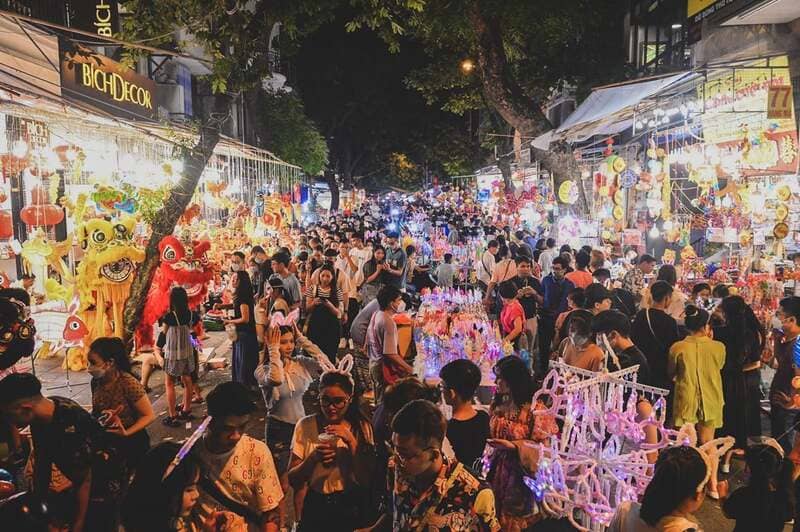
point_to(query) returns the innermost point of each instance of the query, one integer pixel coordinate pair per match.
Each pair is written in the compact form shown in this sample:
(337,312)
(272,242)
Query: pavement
(57,381)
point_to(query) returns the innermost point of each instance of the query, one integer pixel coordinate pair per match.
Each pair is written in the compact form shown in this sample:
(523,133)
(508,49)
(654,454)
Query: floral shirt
(633,281)
(456,501)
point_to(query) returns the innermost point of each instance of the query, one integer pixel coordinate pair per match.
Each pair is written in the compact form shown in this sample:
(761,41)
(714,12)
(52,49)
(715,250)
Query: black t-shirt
(654,340)
(528,303)
(755,510)
(623,301)
(468,437)
(632,356)
(69,441)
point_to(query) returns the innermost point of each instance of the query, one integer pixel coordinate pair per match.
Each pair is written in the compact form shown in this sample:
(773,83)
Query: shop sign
(737,116)
(97,16)
(103,83)
(779,102)
(35,133)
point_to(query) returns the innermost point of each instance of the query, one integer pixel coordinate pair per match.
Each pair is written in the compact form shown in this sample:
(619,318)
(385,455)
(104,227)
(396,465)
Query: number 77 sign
(779,102)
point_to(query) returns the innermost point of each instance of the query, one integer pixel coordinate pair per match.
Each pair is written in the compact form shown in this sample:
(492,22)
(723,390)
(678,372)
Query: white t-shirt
(485,267)
(546,261)
(323,479)
(245,474)
(381,337)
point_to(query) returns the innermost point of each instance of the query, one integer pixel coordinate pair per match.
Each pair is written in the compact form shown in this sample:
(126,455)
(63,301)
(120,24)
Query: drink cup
(328,440)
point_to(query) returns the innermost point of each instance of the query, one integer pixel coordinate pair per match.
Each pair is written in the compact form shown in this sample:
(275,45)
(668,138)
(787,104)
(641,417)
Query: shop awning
(609,110)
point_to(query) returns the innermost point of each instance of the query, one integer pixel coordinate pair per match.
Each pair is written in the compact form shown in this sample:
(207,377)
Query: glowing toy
(183,263)
(106,273)
(600,458)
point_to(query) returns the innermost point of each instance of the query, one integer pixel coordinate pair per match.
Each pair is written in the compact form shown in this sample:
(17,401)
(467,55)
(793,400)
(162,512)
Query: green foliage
(404,172)
(290,134)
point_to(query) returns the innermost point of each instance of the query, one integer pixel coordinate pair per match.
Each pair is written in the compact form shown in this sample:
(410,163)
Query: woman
(512,317)
(154,503)
(512,427)
(744,342)
(273,301)
(695,364)
(578,348)
(119,399)
(179,359)
(675,492)
(325,308)
(374,274)
(333,456)
(678,301)
(283,381)
(245,348)
(504,270)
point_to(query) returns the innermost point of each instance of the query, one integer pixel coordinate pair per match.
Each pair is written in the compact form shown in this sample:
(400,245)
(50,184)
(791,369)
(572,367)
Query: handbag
(230,330)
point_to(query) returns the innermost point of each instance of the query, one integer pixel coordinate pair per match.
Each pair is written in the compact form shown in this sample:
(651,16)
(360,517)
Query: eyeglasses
(337,402)
(405,459)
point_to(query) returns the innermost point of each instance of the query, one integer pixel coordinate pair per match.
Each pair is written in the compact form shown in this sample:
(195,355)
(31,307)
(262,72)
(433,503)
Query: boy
(468,429)
(446,272)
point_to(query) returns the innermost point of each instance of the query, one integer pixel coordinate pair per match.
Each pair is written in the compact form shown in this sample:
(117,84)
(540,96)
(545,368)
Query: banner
(736,103)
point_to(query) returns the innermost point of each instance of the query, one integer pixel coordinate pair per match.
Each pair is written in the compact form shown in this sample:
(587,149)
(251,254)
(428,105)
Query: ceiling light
(677,26)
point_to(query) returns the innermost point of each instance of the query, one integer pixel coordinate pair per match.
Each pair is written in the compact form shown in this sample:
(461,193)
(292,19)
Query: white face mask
(401,307)
(235,267)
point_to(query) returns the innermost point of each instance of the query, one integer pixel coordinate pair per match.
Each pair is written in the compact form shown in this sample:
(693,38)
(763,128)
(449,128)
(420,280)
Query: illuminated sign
(105,84)
(98,16)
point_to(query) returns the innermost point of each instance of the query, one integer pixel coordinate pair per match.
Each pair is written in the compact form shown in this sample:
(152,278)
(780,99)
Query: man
(240,467)
(291,286)
(530,295)
(446,272)
(428,492)
(633,281)
(485,267)
(64,435)
(597,298)
(783,412)
(358,251)
(547,256)
(264,270)
(395,261)
(556,288)
(621,299)
(654,331)
(382,341)
(617,328)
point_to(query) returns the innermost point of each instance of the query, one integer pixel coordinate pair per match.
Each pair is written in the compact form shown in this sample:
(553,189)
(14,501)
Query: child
(468,429)
(766,503)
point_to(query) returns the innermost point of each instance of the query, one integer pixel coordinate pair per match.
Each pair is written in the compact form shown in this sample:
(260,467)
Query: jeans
(378,384)
(782,421)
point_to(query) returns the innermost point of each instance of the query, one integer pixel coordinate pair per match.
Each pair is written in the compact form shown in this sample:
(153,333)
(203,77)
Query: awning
(609,110)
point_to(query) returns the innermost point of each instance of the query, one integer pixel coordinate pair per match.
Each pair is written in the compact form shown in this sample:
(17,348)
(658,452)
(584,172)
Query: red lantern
(42,215)
(6,227)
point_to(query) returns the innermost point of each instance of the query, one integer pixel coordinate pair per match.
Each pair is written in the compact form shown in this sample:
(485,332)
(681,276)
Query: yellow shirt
(695,364)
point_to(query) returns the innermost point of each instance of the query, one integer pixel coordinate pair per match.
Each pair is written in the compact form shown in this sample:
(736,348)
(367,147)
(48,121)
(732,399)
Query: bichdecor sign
(107,85)
(98,16)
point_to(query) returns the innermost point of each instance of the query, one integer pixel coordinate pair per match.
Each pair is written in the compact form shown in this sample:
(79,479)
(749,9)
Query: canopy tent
(608,110)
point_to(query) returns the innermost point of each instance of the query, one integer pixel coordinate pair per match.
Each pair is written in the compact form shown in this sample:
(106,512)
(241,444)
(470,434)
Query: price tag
(779,102)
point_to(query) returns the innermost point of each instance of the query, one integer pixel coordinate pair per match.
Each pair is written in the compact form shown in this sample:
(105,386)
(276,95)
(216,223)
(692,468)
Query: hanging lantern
(41,215)
(6,227)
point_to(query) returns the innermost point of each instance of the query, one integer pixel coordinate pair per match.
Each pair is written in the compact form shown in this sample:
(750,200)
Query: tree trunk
(506,97)
(194,162)
(330,178)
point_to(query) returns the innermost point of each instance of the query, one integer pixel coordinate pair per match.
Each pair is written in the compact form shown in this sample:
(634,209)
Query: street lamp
(467,66)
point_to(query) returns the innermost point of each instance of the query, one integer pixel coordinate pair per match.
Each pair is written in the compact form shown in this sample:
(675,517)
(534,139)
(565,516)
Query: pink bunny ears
(278,319)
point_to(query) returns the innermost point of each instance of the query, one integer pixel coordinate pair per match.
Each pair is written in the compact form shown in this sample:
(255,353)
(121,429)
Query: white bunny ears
(344,367)
(278,319)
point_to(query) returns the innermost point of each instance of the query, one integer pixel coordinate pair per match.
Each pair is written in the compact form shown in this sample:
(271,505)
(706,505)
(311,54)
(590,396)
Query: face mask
(400,307)
(578,340)
(259,260)
(97,373)
(235,267)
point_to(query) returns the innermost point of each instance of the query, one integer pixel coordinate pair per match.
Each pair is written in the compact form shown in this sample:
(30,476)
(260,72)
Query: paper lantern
(6,228)
(42,215)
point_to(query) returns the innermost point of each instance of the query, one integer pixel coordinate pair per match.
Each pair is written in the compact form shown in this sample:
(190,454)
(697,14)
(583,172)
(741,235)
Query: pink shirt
(509,314)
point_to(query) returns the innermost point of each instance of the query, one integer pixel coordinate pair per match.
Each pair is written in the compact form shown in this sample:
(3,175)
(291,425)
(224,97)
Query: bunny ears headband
(278,319)
(344,367)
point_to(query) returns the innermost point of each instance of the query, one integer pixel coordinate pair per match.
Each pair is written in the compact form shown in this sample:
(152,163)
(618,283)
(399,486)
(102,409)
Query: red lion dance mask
(183,263)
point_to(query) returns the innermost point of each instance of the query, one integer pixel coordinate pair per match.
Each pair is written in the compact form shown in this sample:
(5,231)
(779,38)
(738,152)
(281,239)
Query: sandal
(186,416)
(171,422)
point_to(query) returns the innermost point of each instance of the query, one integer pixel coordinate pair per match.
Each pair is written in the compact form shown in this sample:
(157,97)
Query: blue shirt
(555,294)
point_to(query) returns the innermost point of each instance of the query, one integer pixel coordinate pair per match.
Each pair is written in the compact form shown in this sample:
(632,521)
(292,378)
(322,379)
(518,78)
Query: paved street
(55,382)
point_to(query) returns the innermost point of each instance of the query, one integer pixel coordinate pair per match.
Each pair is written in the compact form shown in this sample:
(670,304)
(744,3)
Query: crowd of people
(317,309)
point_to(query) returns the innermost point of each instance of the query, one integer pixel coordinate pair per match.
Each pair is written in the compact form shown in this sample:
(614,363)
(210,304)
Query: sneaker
(169,421)
(725,469)
(186,416)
